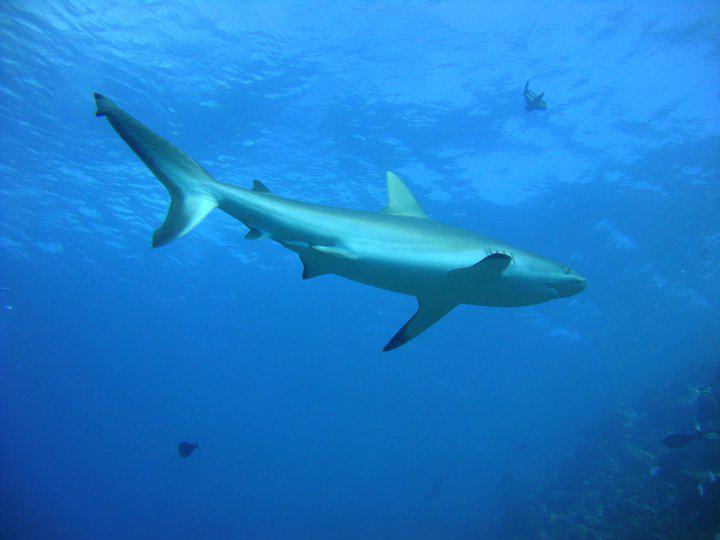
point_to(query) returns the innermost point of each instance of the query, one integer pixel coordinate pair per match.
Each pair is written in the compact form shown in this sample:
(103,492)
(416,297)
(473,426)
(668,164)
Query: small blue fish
(186,448)
(654,470)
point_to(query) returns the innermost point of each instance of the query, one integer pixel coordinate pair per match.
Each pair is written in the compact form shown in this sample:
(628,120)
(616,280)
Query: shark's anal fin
(490,267)
(260,187)
(430,311)
(311,268)
(400,201)
(317,259)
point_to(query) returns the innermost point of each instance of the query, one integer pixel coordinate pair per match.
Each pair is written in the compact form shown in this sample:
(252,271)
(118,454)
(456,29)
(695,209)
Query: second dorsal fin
(400,201)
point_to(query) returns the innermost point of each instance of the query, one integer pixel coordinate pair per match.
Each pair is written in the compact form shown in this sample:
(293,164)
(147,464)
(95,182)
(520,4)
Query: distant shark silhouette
(533,102)
(398,249)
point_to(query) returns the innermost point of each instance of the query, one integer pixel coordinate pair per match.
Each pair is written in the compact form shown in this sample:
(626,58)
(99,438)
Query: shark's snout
(580,284)
(570,285)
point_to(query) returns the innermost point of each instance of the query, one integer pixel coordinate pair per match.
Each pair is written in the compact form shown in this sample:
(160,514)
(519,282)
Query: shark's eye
(566,270)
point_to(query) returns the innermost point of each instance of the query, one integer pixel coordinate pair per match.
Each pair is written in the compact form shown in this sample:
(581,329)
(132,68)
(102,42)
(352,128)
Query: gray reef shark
(533,101)
(399,249)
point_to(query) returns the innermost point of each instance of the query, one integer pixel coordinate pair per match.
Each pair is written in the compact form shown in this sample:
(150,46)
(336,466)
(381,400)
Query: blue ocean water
(112,353)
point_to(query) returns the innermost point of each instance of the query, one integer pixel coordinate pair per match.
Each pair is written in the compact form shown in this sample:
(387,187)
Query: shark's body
(398,249)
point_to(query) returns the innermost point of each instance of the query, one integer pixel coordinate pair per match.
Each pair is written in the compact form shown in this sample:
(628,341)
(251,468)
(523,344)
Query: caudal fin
(102,104)
(184,213)
(193,192)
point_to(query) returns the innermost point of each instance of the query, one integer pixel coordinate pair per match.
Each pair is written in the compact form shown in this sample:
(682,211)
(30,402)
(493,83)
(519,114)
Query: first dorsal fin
(259,186)
(400,201)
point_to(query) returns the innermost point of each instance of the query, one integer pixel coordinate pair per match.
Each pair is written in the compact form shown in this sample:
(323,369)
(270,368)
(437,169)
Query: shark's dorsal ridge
(400,201)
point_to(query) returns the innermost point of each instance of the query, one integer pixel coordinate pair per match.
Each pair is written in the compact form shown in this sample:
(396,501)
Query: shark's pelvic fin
(430,311)
(192,190)
(400,201)
(260,187)
(335,252)
(490,267)
(256,234)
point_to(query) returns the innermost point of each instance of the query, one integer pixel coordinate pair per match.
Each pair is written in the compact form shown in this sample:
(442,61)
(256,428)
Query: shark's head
(552,279)
(522,279)
(533,280)
(568,283)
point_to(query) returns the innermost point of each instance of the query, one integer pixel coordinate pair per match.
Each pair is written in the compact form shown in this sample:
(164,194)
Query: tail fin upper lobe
(102,104)
(194,193)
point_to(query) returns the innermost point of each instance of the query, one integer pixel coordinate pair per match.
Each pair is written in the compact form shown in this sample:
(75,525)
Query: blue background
(111,352)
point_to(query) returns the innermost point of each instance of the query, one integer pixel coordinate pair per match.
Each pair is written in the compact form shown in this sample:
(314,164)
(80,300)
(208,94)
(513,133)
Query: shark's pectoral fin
(430,311)
(260,187)
(400,201)
(490,267)
(537,102)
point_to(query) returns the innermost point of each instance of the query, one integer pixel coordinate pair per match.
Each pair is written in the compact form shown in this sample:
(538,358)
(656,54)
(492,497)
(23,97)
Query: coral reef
(621,482)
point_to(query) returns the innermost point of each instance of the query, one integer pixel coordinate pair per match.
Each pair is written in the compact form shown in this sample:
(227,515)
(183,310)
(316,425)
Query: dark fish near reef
(678,440)
(186,448)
